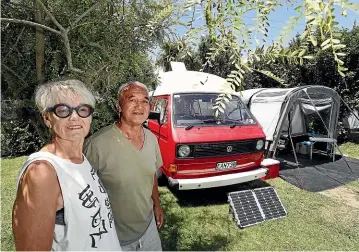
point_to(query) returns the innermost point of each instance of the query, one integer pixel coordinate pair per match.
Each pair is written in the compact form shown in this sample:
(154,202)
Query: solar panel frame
(251,207)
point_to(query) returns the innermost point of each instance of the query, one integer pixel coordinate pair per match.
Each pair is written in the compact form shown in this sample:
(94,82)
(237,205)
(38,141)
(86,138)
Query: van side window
(153,103)
(161,106)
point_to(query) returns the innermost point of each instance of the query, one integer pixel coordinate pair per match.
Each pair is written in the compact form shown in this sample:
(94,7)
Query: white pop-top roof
(190,81)
(265,95)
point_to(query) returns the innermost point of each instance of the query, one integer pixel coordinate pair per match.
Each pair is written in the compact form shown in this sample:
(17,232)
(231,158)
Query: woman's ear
(45,117)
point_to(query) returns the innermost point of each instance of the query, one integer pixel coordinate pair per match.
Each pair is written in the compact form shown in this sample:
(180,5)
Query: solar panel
(245,208)
(270,203)
(250,207)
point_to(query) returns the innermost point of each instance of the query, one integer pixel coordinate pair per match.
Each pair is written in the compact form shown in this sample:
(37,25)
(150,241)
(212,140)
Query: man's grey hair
(124,87)
(52,93)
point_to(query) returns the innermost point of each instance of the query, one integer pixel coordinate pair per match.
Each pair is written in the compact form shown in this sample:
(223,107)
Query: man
(127,157)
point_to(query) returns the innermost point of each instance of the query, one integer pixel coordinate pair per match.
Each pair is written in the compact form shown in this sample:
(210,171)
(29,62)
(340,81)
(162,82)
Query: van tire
(161,178)
(159,174)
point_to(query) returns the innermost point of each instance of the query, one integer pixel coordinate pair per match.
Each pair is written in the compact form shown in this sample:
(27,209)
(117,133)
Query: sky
(278,19)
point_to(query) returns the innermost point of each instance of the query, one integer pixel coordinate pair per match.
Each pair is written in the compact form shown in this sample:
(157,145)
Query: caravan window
(197,109)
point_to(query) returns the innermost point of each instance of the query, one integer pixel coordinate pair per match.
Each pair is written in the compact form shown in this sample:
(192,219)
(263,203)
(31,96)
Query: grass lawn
(350,149)
(199,220)
(9,172)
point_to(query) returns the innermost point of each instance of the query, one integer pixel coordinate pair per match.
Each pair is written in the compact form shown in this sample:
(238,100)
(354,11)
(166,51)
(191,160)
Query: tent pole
(290,137)
(351,111)
(311,101)
(275,139)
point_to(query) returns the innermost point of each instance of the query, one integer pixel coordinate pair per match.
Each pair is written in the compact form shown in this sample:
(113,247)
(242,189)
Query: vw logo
(229,148)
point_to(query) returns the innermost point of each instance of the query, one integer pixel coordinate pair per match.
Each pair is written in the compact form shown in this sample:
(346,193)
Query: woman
(60,202)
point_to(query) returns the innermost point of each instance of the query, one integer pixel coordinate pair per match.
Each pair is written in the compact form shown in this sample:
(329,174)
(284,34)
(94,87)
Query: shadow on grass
(169,233)
(217,243)
(212,196)
(174,235)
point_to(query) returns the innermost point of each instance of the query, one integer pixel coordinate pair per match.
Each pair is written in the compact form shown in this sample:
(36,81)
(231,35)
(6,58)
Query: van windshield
(197,109)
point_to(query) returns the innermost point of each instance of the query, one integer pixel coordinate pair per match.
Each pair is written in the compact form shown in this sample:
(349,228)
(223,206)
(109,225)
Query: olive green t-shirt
(128,176)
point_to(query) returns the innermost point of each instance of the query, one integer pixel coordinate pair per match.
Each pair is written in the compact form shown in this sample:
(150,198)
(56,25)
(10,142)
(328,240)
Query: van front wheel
(161,178)
(159,174)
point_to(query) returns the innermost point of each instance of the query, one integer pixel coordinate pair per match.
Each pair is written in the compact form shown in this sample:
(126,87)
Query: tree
(322,69)
(103,43)
(194,58)
(178,51)
(229,33)
(226,27)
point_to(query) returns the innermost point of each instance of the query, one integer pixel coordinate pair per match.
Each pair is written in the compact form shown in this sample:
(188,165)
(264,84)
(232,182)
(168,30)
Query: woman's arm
(35,206)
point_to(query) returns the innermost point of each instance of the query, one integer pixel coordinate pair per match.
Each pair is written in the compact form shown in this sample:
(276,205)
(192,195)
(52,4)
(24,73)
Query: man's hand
(159,216)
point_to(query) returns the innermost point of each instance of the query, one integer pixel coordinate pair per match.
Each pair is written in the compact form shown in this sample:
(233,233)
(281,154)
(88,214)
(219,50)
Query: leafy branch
(25,22)
(62,32)
(320,18)
(228,32)
(262,19)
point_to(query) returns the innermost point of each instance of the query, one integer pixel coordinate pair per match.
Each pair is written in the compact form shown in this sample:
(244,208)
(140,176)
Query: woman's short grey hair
(123,87)
(52,93)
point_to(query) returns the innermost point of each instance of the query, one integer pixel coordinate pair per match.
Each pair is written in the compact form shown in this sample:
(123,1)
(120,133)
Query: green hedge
(20,137)
(23,136)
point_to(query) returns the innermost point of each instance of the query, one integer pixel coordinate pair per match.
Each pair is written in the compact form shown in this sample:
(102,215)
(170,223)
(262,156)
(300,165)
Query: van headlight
(184,151)
(260,144)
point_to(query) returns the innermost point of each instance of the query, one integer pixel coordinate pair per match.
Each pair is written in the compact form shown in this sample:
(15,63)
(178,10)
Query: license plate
(226,165)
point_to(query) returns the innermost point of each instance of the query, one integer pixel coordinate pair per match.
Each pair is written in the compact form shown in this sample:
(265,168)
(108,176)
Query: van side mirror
(155,116)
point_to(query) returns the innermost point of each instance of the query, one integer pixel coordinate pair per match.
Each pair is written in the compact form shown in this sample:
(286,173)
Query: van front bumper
(217,181)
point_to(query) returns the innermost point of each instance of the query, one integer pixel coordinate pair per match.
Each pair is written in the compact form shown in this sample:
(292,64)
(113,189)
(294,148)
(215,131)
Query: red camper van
(198,149)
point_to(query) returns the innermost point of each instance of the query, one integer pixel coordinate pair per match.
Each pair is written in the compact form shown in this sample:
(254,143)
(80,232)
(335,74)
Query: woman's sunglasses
(63,110)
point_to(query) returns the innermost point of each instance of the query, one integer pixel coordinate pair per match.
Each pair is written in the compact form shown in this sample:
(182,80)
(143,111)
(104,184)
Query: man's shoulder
(101,135)
(150,135)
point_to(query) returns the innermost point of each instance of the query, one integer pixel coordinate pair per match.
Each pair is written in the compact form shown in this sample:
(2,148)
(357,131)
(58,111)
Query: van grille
(224,149)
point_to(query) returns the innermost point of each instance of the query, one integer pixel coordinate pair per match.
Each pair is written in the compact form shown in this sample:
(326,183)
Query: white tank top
(88,220)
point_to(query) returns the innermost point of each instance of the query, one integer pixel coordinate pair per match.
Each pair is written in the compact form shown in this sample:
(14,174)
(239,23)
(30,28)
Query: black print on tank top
(87,198)
(109,214)
(101,187)
(98,223)
(93,173)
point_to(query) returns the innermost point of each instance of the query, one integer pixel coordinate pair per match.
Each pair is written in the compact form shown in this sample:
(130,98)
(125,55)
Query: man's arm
(34,210)
(158,211)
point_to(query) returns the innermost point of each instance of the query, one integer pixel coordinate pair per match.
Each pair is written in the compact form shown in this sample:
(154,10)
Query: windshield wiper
(192,125)
(201,122)
(210,121)
(237,123)
(232,125)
